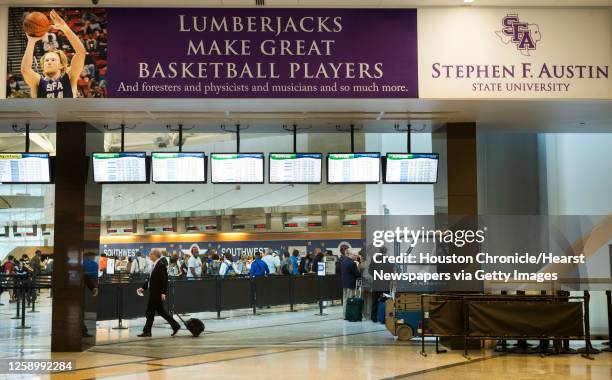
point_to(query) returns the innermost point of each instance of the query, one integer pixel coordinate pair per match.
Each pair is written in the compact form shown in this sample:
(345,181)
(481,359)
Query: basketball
(36,24)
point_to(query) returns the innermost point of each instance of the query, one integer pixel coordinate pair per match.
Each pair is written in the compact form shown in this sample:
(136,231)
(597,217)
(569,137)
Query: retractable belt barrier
(25,288)
(118,300)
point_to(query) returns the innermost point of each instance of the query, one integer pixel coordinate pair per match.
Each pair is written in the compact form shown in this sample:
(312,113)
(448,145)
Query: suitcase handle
(358,285)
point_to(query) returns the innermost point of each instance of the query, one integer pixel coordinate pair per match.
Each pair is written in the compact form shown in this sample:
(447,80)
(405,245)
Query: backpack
(230,271)
(286,267)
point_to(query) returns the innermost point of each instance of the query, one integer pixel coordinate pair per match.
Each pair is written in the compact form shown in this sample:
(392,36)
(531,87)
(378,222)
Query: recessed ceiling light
(468,1)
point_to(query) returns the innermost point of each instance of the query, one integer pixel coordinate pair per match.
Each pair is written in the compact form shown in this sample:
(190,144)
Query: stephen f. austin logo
(524,35)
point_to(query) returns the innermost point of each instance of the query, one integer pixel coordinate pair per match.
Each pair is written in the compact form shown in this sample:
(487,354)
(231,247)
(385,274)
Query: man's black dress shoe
(144,335)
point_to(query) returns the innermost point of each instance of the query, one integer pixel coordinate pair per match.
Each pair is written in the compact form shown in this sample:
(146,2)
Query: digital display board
(24,168)
(178,167)
(353,168)
(237,167)
(411,168)
(295,167)
(120,167)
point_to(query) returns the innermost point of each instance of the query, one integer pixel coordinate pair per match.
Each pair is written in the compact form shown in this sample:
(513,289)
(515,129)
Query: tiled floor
(275,345)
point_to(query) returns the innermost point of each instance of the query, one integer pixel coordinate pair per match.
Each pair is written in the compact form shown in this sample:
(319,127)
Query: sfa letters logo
(524,35)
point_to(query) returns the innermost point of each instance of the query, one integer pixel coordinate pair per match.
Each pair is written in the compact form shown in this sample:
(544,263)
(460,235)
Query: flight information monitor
(411,168)
(120,167)
(178,167)
(24,168)
(237,167)
(353,168)
(295,167)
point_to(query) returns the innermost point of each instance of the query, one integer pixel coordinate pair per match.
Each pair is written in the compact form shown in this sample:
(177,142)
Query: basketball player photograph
(57,78)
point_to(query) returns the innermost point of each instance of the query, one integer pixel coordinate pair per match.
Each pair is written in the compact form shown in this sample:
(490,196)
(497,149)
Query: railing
(118,300)
(25,288)
(478,316)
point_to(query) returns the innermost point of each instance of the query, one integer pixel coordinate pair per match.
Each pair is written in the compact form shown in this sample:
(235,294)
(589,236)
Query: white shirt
(272,262)
(152,267)
(224,267)
(196,264)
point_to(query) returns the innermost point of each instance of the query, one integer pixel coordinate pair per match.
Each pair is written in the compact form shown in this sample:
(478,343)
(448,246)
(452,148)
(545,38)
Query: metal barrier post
(319,295)
(23,307)
(609,303)
(254,296)
(588,349)
(291,295)
(466,318)
(119,309)
(423,353)
(33,292)
(16,292)
(217,282)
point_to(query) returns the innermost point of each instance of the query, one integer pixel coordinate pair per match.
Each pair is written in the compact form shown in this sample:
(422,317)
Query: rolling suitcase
(194,325)
(354,306)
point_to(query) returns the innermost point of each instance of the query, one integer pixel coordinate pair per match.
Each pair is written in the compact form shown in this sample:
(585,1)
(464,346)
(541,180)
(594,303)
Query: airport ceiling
(315,3)
(320,115)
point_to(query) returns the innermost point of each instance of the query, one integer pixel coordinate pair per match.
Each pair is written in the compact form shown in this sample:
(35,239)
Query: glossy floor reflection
(275,344)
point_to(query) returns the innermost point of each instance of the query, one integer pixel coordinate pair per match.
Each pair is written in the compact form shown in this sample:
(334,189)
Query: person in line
(194,265)
(9,268)
(158,289)
(258,267)
(214,265)
(286,267)
(102,263)
(295,261)
(273,262)
(241,265)
(57,80)
(173,269)
(349,273)
(183,266)
(36,264)
(318,258)
(227,268)
(306,263)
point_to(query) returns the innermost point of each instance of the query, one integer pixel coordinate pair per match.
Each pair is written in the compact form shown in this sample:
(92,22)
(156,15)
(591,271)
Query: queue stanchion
(588,348)
(219,295)
(18,296)
(23,308)
(291,295)
(609,303)
(320,297)
(254,296)
(120,326)
(33,292)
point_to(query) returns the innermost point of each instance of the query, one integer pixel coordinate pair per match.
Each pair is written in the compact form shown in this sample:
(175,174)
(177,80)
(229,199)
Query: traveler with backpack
(258,267)
(227,269)
(295,261)
(286,267)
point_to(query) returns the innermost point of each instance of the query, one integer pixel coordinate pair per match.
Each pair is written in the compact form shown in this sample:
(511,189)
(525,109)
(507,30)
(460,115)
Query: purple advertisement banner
(262,53)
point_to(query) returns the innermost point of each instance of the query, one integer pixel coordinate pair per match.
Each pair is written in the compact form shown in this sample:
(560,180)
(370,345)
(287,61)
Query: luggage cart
(403,316)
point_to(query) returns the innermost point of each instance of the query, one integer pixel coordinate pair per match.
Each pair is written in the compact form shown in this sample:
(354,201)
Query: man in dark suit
(158,289)
(349,273)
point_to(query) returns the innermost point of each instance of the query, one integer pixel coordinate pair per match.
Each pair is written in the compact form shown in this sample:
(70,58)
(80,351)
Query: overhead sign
(514,53)
(214,53)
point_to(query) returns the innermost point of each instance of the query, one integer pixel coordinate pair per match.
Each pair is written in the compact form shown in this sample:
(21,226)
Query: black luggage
(194,325)
(354,306)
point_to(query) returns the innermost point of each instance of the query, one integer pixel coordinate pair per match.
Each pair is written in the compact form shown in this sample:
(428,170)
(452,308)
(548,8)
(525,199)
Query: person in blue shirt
(295,261)
(258,267)
(90,266)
